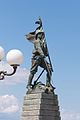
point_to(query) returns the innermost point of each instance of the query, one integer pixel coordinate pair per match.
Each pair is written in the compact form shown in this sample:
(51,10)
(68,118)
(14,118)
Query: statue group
(39,56)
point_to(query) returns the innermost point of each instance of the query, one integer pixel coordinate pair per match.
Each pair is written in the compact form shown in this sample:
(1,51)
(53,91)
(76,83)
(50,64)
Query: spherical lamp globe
(1,53)
(14,57)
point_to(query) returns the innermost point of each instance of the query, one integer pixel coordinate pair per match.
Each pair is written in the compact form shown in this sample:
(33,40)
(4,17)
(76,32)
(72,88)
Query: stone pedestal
(39,105)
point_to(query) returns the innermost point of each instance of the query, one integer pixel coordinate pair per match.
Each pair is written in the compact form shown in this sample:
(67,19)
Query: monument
(40,101)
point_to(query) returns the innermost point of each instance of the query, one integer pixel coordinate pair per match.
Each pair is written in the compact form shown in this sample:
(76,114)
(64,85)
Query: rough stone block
(40,106)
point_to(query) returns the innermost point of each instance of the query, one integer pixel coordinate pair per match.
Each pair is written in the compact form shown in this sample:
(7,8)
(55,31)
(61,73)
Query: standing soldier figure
(40,53)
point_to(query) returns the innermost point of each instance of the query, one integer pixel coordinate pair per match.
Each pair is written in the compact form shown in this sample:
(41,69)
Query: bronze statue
(40,53)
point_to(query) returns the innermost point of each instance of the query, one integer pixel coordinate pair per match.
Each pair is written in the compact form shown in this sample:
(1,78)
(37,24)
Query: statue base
(40,105)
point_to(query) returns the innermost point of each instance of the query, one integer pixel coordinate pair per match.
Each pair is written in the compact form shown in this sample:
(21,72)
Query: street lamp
(14,58)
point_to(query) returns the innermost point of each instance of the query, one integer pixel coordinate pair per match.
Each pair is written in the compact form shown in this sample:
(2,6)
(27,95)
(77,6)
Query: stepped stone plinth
(40,105)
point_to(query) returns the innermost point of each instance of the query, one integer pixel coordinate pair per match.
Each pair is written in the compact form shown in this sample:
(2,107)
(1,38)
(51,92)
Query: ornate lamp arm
(1,75)
(14,71)
(14,58)
(4,73)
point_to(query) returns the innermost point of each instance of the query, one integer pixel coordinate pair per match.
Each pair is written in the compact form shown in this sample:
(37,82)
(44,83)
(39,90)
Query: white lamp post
(14,58)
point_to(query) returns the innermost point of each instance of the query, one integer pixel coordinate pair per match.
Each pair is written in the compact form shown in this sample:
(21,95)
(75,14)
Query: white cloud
(8,104)
(21,74)
(70,115)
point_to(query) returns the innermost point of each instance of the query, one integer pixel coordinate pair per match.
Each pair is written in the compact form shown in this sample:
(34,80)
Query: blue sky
(61,23)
